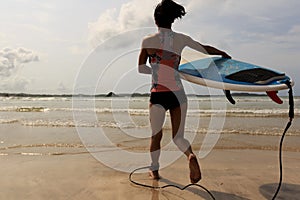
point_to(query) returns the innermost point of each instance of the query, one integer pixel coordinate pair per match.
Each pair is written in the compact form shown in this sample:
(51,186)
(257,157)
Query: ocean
(50,126)
(59,111)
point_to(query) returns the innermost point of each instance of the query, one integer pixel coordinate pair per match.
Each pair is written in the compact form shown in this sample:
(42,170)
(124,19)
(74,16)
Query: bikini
(167,89)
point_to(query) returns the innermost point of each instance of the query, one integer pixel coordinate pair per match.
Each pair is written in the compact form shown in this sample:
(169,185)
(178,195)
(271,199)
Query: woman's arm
(205,48)
(143,67)
(213,51)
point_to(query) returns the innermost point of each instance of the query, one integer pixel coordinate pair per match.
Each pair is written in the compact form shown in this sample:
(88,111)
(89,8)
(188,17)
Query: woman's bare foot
(154,175)
(195,174)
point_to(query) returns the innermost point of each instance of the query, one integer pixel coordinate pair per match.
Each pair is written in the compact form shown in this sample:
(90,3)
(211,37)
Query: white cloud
(267,32)
(132,15)
(228,16)
(11,61)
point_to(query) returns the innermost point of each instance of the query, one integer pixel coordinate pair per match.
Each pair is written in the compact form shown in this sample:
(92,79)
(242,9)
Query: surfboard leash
(168,185)
(291,116)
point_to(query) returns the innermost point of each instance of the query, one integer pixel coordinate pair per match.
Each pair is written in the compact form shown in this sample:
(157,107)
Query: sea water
(38,126)
(59,112)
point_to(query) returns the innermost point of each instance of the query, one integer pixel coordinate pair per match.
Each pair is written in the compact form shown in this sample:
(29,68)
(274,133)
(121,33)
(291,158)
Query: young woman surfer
(163,49)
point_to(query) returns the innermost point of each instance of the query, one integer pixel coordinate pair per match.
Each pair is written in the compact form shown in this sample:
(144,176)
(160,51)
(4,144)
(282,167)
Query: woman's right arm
(143,67)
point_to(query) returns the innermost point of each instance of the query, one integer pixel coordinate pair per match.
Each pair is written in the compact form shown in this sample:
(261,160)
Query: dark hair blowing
(166,12)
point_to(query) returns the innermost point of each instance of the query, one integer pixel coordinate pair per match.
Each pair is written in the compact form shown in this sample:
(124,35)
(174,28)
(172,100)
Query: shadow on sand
(197,191)
(287,191)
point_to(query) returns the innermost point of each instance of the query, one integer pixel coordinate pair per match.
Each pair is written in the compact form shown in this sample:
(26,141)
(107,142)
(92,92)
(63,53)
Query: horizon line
(113,94)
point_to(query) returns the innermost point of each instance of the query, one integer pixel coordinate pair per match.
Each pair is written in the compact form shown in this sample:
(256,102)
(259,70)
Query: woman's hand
(225,55)
(214,51)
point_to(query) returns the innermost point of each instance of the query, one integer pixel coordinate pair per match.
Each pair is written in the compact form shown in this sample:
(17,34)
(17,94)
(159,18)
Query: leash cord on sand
(167,186)
(291,116)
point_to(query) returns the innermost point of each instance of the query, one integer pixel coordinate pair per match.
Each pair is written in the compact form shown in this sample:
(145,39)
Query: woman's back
(167,40)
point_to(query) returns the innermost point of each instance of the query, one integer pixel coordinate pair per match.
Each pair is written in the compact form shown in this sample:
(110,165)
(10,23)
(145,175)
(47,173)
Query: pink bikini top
(165,76)
(164,63)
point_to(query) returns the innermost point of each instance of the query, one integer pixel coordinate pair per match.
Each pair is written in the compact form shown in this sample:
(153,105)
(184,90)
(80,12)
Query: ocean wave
(8,121)
(141,112)
(127,125)
(191,112)
(269,131)
(243,113)
(72,123)
(23,109)
(57,123)
(145,112)
(261,132)
(32,109)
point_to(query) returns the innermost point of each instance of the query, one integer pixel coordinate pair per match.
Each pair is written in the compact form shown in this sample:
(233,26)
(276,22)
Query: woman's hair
(166,12)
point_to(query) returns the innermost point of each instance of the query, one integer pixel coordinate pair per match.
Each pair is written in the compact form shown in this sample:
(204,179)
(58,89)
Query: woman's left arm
(206,49)
(143,67)
(214,51)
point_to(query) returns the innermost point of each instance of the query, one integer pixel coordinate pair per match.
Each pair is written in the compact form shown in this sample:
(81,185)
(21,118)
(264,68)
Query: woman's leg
(178,117)
(157,119)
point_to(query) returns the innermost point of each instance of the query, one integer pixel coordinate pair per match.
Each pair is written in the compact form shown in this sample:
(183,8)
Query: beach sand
(51,163)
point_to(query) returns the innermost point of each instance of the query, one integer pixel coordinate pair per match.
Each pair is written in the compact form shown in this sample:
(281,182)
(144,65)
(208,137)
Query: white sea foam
(23,109)
(191,112)
(56,123)
(8,121)
(145,112)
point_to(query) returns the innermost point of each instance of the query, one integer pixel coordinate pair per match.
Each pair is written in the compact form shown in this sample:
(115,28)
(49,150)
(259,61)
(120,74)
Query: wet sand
(46,164)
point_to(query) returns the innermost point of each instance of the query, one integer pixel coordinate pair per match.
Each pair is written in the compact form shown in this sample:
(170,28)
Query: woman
(163,50)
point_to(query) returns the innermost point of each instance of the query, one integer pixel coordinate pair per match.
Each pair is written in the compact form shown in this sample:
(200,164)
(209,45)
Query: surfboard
(233,75)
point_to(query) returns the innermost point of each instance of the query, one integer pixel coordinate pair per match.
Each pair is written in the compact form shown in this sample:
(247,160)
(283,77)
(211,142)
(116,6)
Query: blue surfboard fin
(229,97)
(273,95)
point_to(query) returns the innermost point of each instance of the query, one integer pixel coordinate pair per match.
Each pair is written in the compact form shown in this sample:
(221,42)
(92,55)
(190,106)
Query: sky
(54,46)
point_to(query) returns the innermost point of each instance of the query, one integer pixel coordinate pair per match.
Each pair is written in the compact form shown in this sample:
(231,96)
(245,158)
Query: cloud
(11,61)
(229,16)
(132,15)
(265,32)
(223,22)
(253,16)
